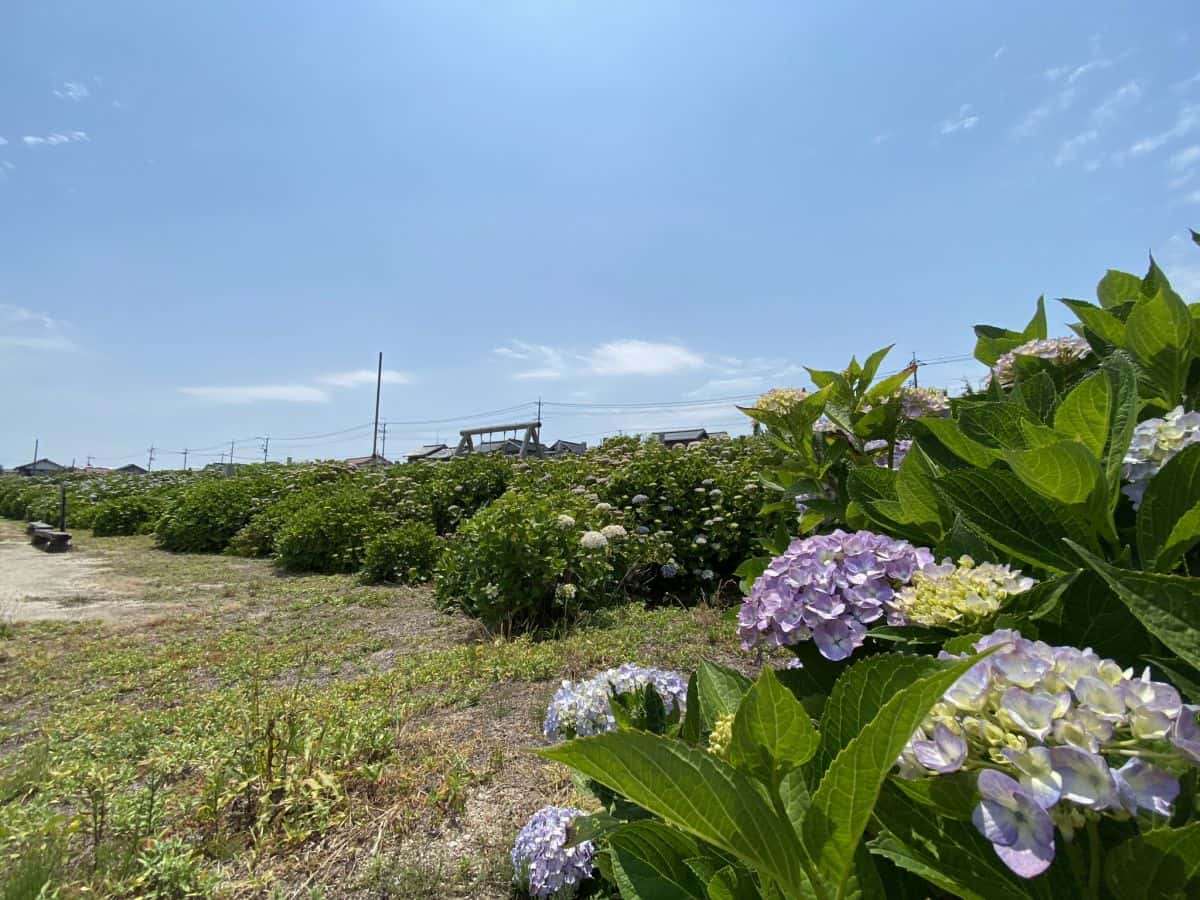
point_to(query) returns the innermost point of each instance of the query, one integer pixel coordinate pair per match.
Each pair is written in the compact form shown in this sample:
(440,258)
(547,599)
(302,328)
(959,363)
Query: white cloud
(1186,157)
(1176,183)
(631,357)
(964,121)
(551,362)
(26,342)
(1069,149)
(1187,83)
(11,313)
(53,140)
(285,393)
(359,377)
(1071,74)
(3,142)
(73,91)
(1060,102)
(1000,51)
(1111,106)
(721,387)
(1187,120)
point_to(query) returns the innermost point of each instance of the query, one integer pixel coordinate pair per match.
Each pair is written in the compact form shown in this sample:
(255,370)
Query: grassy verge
(287,736)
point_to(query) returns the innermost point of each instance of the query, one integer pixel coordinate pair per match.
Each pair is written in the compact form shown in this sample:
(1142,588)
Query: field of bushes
(969,631)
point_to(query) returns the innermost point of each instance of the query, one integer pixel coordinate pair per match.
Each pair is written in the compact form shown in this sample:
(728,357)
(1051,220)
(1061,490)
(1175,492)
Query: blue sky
(214,215)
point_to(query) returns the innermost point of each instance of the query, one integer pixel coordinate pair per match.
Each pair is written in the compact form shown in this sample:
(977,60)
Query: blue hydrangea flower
(828,589)
(581,709)
(543,864)
(1154,442)
(1058,730)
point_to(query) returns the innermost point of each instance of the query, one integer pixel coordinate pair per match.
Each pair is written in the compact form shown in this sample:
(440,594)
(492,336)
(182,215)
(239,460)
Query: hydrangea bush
(580,709)
(545,862)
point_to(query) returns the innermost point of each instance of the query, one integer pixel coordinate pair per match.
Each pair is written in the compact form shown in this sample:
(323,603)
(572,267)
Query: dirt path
(61,586)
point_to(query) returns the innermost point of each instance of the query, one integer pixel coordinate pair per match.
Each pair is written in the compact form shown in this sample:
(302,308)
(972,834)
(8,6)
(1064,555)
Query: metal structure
(531,440)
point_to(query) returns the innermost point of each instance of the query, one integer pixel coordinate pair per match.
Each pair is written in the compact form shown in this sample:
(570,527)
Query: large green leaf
(950,854)
(1170,496)
(1085,412)
(1066,471)
(772,734)
(916,493)
(1017,520)
(1163,864)
(860,692)
(1168,605)
(842,803)
(1159,333)
(993,342)
(1099,321)
(695,792)
(1089,614)
(719,690)
(1122,380)
(1116,288)
(1038,395)
(996,424)
(947,433)
(649,863)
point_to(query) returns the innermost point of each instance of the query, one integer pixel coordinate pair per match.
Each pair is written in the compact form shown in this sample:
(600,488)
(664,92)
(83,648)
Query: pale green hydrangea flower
(956,596)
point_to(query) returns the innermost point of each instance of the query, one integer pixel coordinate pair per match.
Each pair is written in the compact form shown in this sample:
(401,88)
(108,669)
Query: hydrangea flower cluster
(955,596)
(916,402)
(780,400)
(1154,442)
(1059,736)
(581,709)
(828,589)
(593,540)
(881,458)
(543,864)
(721,736)
(1061,350)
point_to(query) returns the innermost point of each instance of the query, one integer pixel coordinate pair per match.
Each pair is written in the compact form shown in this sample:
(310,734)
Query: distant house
(96,470)
(429,452)
(366,462)
(561,448)
(40,467)
(132,469)
(680,437)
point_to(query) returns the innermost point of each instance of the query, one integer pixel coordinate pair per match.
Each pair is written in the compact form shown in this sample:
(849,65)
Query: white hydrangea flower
(1154,442)
(565,521)
(593,540)
(613,532)
(1061,350)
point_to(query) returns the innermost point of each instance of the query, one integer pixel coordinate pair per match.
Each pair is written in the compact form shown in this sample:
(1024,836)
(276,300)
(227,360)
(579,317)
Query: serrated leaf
(947,433)
(1116,288)
(649,861)
(1038,395)
(772,734)
(1159,334)
(719,690)
(914,489)
(1163,864)
(1168,522)
(1122,420)
(695,792)
(842,803)
(1167,605)
(1089,614)
(1100,322)
(1066,471)
(996,424)
(732,883)
(1019,521)
(1084,413)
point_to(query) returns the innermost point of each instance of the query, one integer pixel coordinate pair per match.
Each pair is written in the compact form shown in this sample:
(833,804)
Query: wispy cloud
(547,362)
(1112,105)
(966,119)
(1000,51)
(283,393)
(11,313)
(1185,122)
(1187,84)
(632,357)
(359,377)
(32,342)
(1186,158)
(722,387)
(1060,102)
(1071,74)
(73,91)
(1069,149)
(55,139)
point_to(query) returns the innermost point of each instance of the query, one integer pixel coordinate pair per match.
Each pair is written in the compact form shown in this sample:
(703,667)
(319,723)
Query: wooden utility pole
(383,442)
(150,458)
(378,385)
(185,453)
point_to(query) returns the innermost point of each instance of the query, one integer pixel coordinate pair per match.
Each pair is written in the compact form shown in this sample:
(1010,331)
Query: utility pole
(539,417)
(914,365)
(383,447)
(36,444)
(185,453)
(231,443)
(266,444)
(89,460)
(150,458)
(378,385)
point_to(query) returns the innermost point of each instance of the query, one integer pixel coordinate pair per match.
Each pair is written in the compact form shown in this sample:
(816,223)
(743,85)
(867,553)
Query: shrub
(329,535)
(207,515)
(530,562)
(406,554)
(126,515)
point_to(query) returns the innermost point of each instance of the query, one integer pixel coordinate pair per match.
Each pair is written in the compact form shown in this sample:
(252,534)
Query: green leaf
(996,424)
(690,729)
(795,796)
(1159,333)
(732,883)
(888,386)
(1162,864)
(1167,521)
(1125,406)
(859,694)
(772,734)
(1168,605)
(1085,413)
(1066,471)
(947,433)
(1035,330)
(1099,321)
(1116,288)
(954,796)
(1089,614)
(915,490)
(842,803)
(1038,395)
(720,691)
(1019,521)
(871,366)
(649,862)
(695,792)
(950,854)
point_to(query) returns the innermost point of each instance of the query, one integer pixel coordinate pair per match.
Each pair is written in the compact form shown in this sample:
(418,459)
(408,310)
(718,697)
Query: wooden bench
(50,540)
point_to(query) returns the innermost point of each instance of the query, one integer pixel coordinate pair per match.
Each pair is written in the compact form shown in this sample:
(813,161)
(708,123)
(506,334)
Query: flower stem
(1093,832)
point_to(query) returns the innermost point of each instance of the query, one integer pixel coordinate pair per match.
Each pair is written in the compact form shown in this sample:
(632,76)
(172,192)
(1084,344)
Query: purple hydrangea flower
(943,754)
(827,589)
(1021,832)
(580,709)
(1086,780)
(1143,786)
(543,864)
